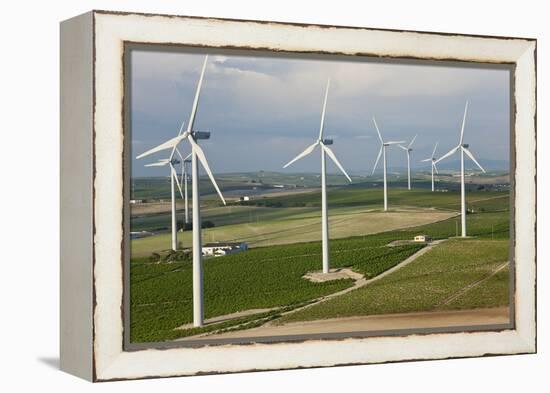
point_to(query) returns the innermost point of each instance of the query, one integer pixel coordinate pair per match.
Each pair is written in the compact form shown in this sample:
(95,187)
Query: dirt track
(434,319)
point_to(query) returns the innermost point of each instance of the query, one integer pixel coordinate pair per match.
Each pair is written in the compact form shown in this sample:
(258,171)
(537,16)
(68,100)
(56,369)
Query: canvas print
(276,197)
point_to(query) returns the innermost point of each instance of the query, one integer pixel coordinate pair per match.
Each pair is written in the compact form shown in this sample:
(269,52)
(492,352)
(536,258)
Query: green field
(352,212)
(373,197)
(270,277)
(161,294)
(302,226)
(425,284)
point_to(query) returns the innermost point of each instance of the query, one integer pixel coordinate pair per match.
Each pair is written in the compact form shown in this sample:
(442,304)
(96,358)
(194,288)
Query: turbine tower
(463,147)
(172,162)
(185,181)
(432,159)
(383,146)
(197,154)
(323,143)
(408,149)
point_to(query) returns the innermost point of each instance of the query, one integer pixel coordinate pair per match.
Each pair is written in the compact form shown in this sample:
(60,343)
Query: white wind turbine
(383,146)
(172,162)
(324,150)
(463,147)
(408,149)
(432,159)
(197,154)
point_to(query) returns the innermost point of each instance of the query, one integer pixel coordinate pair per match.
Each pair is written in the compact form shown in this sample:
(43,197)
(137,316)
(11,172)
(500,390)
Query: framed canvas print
(245,195)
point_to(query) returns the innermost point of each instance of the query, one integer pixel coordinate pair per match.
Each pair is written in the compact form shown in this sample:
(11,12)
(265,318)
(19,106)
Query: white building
(139,235)
(219,249)
(422,238)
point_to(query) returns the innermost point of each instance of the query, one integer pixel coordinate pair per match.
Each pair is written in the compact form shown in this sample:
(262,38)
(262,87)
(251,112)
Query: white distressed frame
(111,30)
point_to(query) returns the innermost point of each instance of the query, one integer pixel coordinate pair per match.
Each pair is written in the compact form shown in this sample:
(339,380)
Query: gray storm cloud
(263,110)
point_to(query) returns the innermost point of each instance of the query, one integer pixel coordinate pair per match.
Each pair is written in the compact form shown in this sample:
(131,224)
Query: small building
(422,238)
(245,198)
(136,201)
(139,235)
(219,249)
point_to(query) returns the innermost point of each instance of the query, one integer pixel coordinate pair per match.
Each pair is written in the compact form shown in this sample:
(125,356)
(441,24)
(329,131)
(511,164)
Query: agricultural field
(427,284)
(268,277)
(262,278)
(300,227)
(357,195)
(353,211)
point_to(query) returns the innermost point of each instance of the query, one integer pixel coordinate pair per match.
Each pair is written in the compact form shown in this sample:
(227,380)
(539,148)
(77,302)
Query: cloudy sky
(263,111)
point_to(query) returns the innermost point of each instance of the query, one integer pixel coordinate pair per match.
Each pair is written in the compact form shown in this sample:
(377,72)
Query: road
(386,322)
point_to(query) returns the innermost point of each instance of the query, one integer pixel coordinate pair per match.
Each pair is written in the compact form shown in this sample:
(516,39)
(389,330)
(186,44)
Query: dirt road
(418,320)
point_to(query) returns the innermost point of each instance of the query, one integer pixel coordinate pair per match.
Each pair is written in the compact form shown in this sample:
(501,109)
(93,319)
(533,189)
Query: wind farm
(268,246)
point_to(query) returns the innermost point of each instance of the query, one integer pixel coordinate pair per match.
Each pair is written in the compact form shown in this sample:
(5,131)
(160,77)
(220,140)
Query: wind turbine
(432,159)
(408,149)
(172,162)
(383,146)
(197,154)
(323,143)
(463,147)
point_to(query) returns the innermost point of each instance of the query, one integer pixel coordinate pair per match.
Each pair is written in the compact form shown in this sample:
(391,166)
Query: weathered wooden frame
(92,194)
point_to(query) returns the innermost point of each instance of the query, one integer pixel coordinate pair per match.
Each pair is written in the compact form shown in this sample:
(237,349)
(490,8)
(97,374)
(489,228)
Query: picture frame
(93,344)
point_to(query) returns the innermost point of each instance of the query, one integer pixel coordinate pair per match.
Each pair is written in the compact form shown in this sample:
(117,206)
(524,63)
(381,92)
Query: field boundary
(471,286)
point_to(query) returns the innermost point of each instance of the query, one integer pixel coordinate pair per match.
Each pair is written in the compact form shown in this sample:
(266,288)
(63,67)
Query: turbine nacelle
(323,143)
(201,135)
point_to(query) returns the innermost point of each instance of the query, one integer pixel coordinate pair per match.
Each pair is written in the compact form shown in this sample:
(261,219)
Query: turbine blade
(322,126)
(175,176)
(166,145)
(179,153)
(333,157)
(307,151)
(449,153)
(426,160)
(410,144)
(179,133)
(202,158)
(182,178)
(435,147)
(435,168)
(469,153)
(403,147)
(463,123)
(158,163)
(377,130)
(394,142)
(377,158)
(197,95)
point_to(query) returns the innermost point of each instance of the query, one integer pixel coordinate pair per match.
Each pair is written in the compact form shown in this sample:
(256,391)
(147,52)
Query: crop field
(161,294)
(373,197)
(269,276)
(426,284)
(220,216)
(302,226)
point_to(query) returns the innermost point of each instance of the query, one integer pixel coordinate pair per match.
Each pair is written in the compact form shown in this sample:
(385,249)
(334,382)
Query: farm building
(219,249)
(245,198)
(422,238)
